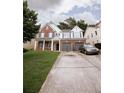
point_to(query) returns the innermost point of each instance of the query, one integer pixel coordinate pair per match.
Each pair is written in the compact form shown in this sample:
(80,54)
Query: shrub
(25,50)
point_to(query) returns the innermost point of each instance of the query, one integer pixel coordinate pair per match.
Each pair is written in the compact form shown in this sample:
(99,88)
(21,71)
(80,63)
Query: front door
(57,46)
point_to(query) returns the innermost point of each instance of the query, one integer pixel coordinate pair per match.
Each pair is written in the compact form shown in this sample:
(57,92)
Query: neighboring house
(93,34)
(98,29)
(50,37)
(29,44)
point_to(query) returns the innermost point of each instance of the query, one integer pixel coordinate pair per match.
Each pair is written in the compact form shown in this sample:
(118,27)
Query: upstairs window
(96,32)
(42,35)
(50,35)
(56,34)
(81,34)
(76,34)
(91,34)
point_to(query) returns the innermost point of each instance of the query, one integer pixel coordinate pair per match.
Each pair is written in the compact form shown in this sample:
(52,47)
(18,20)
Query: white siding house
(98,29)
(93,34)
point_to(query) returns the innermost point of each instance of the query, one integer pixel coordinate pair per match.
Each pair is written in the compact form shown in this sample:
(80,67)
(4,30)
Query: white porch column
(59,46)
(35,45)
(43,44)
(51,45)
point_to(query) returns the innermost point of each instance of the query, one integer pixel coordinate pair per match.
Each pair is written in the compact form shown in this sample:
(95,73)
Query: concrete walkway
(74,73)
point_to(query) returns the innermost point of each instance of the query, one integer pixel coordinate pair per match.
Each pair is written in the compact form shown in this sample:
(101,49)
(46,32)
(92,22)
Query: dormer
(77,32)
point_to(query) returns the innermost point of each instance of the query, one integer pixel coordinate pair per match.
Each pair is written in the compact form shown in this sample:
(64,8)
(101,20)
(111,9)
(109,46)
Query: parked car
(88,49)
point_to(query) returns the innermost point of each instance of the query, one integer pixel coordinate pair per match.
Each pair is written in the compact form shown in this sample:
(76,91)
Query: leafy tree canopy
(71,22)
(29,23)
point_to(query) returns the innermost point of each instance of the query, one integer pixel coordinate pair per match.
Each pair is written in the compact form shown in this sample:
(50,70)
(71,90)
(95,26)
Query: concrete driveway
(74,73)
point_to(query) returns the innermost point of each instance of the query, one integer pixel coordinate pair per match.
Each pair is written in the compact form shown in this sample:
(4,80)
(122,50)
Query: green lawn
(36,68)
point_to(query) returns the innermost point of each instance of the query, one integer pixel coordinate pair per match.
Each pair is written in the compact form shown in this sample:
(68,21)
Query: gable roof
(54,27)
(98,23)
(76,29)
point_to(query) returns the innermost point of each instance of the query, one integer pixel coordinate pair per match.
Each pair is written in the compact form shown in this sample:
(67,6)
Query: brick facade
(47,29)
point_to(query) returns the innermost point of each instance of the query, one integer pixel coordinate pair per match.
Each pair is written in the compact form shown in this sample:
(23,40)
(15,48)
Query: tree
(29,23)
(82,24)
(63,25)
(71,22)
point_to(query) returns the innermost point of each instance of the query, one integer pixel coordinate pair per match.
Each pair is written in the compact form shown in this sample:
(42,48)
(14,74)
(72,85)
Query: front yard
(36,67)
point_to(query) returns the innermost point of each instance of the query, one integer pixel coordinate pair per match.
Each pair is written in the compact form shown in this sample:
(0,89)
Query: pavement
(74,72)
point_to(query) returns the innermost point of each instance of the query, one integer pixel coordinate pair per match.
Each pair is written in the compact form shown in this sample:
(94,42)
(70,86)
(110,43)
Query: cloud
(87,16)
(59,5)
(43,4)
(67,5)
(56,18)
(47,16)
(59,10)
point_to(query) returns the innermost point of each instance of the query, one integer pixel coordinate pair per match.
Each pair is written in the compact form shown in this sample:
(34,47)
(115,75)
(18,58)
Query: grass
(36,67)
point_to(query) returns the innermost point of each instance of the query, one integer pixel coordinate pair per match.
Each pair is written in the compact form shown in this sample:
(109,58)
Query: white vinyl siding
(76,34)
(66,35)
(72,34)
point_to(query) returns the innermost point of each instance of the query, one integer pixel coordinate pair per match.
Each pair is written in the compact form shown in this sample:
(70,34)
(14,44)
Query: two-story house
(50,37)
(93,34)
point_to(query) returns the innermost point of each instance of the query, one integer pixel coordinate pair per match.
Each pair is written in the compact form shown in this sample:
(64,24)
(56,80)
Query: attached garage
(77,46)
(66,47)
(71,45)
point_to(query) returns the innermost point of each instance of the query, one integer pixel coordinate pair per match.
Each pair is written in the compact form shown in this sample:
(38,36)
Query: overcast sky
(59,10)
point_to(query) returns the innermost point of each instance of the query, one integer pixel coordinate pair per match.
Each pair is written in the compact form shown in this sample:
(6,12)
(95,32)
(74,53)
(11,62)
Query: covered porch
(52,45)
